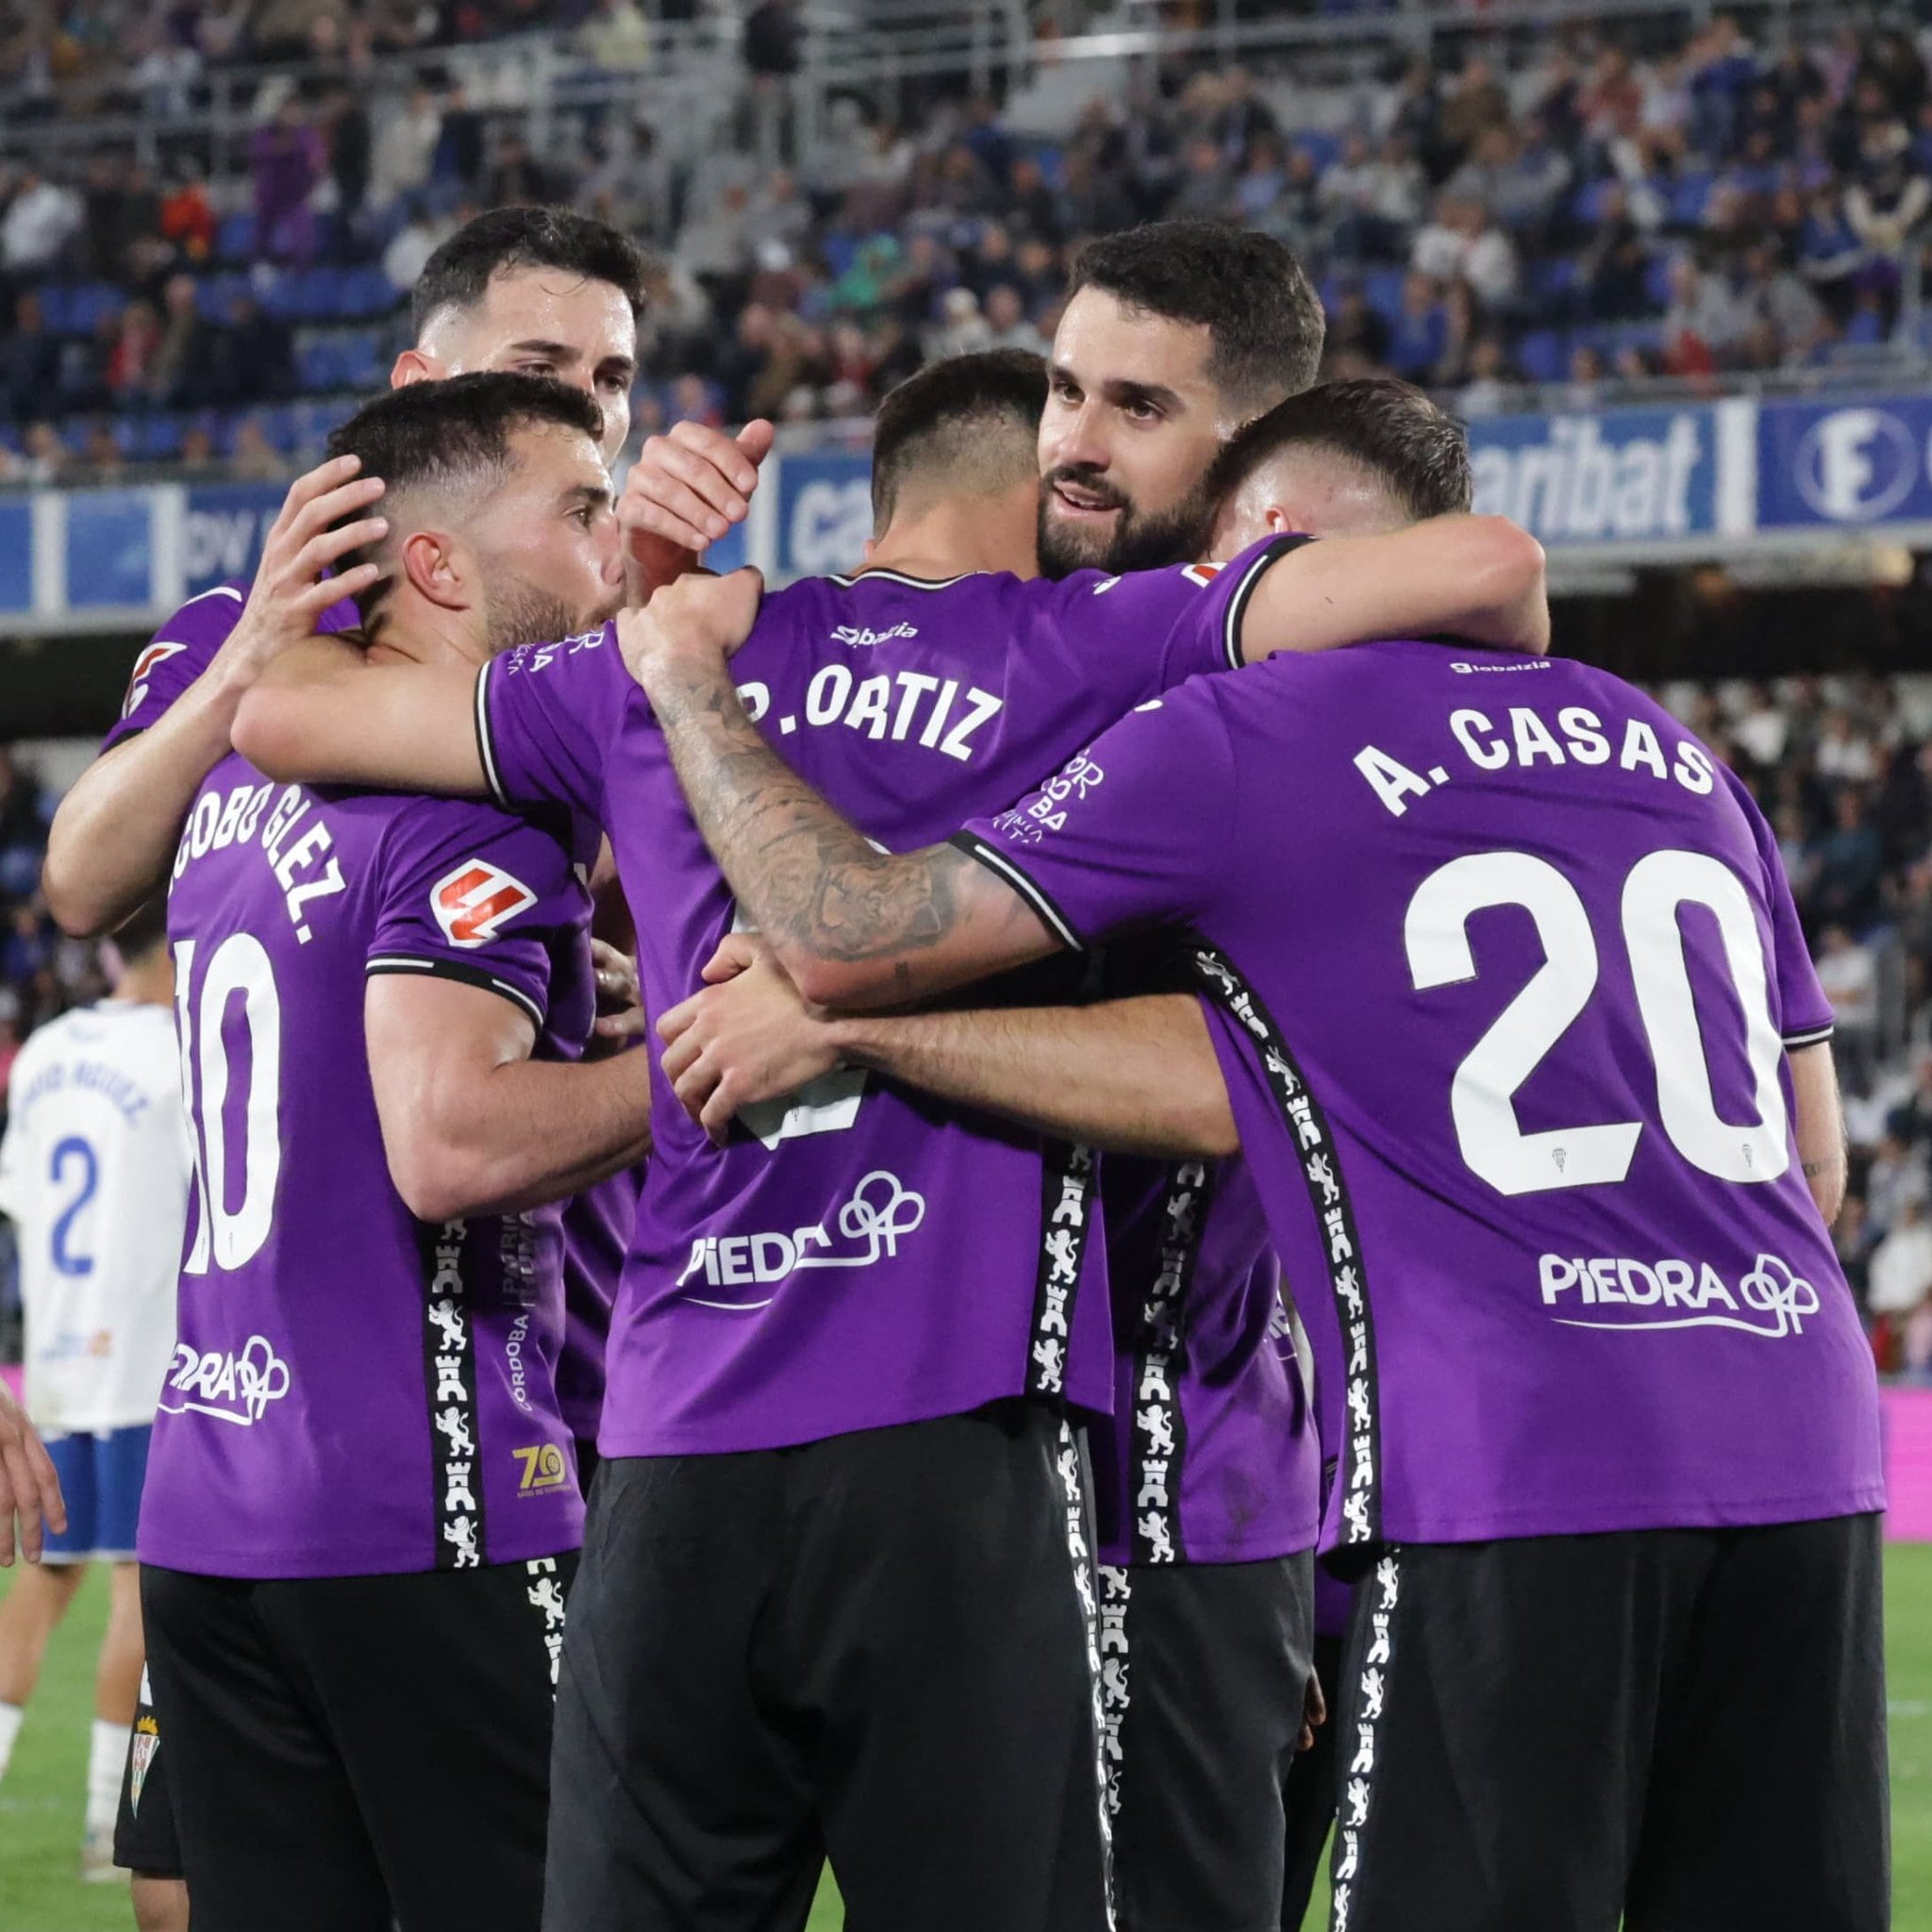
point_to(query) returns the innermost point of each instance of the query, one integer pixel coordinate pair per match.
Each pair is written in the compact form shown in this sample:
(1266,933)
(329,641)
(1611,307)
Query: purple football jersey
(1210,1455)
(1504,970)
(353,1391)
(596,1234)
(184,647)
(859,1255)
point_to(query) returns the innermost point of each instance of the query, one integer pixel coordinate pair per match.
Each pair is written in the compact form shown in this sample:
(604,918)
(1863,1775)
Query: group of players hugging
(1205,1207)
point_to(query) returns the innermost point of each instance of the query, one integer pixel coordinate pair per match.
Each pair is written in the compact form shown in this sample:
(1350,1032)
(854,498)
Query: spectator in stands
(1884,206)
(1830,254)
(46,457)
(42,220)
(773,40)
(186,220)
(1704,322)
(406,134)
(518,176)
(186,371)
(1490,378)
(258,351)
(254,455)
(1007,324)
(1421,330)
(1848,972)
(29,359)
(131,368)
(1844,754)
(1355,328)
(1851,862)
(617,37)
(101,455)
(1900,1276)
(285,156)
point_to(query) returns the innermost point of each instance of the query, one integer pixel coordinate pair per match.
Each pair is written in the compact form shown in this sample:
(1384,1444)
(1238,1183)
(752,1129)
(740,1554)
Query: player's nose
(1082,440)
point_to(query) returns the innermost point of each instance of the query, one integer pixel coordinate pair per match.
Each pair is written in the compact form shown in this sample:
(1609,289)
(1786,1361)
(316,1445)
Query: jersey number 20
(1482,1095)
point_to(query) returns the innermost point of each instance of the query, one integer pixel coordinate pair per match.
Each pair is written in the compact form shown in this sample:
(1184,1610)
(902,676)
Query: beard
(1140,540)
(519,613)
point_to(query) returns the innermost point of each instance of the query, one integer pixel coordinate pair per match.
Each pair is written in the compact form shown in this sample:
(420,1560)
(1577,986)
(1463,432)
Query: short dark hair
(971,416)
(435,434)
(142,930)
(458,274)
(1264,319)
(1415,448)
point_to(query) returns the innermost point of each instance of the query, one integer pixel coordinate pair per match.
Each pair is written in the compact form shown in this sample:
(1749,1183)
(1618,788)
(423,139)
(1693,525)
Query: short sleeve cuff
(1809,1036)
(1002,863)
(431,966)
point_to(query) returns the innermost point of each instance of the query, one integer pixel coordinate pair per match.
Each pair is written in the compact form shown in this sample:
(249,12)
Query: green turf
(42,1795)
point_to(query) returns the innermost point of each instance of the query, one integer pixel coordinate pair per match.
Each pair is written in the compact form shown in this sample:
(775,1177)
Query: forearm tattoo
(801,871)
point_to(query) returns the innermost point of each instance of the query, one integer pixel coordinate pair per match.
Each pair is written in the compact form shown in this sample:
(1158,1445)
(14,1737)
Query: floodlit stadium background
(1670,265)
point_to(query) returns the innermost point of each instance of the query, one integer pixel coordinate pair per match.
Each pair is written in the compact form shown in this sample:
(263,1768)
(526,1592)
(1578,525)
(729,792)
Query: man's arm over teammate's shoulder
(1481,579)
(1135,1075)
(325,714)
(854,927)
(114,833)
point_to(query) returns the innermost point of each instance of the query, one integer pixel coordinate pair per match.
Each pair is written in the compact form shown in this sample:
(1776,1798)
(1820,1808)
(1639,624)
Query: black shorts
(1684,1727)
(1204,1668)
(1309,1801)
(146,1840)
(878,1647)
(350,1751)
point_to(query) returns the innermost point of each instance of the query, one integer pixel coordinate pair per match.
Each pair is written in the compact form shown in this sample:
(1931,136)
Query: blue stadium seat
(368,292)
(155,438)
(1542,356)
(1689,198)
(234,238)
(316,363)
(1324,147)
(1383,286)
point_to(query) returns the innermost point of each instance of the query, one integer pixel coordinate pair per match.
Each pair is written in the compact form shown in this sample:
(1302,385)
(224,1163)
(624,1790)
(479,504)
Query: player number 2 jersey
(93,1174)
(1505,970)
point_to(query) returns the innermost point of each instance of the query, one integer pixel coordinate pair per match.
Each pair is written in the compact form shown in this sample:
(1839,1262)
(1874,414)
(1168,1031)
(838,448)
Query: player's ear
(436,566)
(1277,521)
(413,365)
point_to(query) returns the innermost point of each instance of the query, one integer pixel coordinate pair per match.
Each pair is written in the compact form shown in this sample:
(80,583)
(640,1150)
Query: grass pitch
(41,1797)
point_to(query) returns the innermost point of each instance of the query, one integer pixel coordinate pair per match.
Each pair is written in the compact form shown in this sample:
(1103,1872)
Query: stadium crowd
(1619,204)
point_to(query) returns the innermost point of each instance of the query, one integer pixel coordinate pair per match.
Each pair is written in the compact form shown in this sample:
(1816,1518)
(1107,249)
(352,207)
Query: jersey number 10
(237,969)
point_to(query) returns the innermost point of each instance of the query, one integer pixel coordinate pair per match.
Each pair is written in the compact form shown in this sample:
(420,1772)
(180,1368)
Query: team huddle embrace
(1207,1210)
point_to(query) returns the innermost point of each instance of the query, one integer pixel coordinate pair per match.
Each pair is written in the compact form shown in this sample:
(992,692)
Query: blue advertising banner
(222,531)
(16,555)
(825,513)
(110,553)
(1857,465)
(1623,477)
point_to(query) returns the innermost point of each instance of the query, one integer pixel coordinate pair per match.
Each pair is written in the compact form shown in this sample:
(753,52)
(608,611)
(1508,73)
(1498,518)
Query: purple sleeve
(544,713)
(183,648)
(467,893)
(1134,637)
(173,657)
(1132,832)
(1805,1015)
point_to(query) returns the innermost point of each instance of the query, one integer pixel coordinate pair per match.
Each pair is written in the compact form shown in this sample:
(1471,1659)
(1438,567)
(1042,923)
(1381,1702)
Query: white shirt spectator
(1848,972)
(42,221)
(1901,1274)
(406,258)
(405,146)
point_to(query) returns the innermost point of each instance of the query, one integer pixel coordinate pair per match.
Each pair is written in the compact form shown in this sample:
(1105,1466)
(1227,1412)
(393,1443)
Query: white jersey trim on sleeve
(1244,591)
(1055,920)
(486,749)
(1813,1036)
(452,968)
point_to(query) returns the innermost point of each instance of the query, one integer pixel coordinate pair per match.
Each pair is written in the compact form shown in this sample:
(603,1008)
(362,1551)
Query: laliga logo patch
(1201,574)
(474,902)
(144,667)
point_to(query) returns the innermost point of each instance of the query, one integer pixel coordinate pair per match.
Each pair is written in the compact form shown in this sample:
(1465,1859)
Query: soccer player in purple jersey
(787,1350)
(1519,1034)
(1207,1483)
(361,1514)
(538,291)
